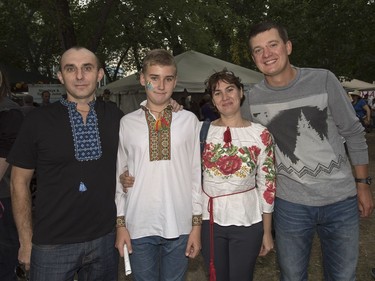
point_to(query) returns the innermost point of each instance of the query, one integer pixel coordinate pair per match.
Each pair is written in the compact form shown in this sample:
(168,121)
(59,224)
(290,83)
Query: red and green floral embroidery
(269,168)
(227,160)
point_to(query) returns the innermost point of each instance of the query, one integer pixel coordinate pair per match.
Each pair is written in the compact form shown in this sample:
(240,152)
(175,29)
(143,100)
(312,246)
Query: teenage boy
(159,219)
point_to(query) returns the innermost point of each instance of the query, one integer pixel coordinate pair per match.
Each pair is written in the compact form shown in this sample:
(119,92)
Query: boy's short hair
(158,57)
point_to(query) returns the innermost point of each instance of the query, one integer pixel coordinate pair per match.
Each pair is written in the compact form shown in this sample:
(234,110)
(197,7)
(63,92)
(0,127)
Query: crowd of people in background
(27,101)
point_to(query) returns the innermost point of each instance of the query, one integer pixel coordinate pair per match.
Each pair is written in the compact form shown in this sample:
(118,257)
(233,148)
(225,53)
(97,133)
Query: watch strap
(364,180)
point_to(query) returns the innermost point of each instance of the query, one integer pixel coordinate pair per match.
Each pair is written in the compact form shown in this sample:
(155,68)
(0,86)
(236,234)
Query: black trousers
(236,249)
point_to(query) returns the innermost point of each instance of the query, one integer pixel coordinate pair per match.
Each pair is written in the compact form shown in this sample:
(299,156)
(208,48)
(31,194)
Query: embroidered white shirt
(166,193)
(246,164)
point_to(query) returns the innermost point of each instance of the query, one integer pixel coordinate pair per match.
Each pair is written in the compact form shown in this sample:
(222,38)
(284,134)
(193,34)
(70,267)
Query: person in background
(28,104)
(362,109)
(46,95)
(238,184)
(207,109)
(372,107)
(160,218)
(308,113)
(107,96)
(73,149)
(11,119)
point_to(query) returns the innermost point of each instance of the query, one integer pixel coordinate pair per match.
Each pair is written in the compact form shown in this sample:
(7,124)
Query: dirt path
(267,270)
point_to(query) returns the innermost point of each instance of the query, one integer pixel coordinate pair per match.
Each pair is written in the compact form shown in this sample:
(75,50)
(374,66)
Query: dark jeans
(9,244)
(95,260)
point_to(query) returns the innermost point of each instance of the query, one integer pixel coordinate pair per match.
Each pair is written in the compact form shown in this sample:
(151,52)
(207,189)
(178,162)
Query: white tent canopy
(356,84)
(193,68)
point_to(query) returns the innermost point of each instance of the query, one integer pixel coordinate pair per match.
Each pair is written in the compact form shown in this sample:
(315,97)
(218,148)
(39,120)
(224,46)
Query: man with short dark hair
(73,148)
(107,95)
(309,114)
(46,95)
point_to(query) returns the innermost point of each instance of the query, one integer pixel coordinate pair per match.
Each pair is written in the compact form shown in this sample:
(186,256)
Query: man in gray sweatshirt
(310,117)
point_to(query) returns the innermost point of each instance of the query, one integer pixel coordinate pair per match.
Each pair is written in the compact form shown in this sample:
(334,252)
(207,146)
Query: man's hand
(126,180)
(175,105)
(365,202)
(24,255)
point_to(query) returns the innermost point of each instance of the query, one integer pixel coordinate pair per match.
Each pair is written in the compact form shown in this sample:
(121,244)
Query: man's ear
(59,75)
(100,74)
(289,47)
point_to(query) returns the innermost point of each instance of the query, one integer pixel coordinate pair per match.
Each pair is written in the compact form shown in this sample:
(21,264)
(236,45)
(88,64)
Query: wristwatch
(366,180)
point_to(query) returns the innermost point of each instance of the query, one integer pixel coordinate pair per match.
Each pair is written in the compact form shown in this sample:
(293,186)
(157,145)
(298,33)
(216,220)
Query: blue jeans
(338,228)
(95,260)
(155,258)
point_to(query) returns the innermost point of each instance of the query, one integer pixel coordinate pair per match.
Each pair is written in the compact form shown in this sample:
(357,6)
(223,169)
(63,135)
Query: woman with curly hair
(238,183)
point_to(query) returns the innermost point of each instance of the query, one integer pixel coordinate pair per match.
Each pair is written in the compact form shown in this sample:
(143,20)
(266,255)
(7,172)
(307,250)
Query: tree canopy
(338,35)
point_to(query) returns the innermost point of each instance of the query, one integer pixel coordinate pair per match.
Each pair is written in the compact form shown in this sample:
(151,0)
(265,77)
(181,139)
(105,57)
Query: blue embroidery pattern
(87,145)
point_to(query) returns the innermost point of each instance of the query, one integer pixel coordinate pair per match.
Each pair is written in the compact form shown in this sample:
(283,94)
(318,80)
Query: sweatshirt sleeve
(348,125)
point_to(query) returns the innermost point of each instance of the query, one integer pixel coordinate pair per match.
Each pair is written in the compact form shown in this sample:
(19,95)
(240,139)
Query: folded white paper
(128,269)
